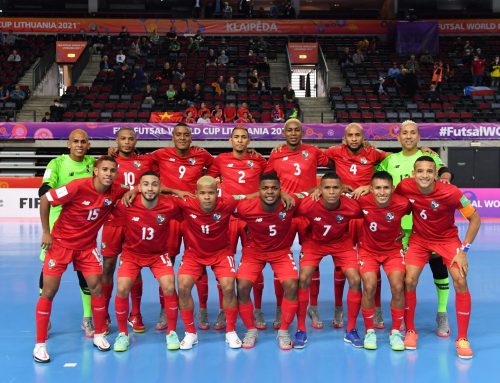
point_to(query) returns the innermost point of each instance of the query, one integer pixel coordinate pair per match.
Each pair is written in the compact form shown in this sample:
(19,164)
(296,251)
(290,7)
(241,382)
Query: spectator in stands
(358,57)
(243,109)
(189,117)
(183,96)
(18,95)
(167,72)
(289,12)
(410,82)
(198,94)
(154,37)
(179,72)
(245,118)
(253,79)
(458,46)
(380,88)
(149,95)
(137,78)
(245,8)
(467,58)
(193,45)
(277,114)
(223,45)
(294,112)
(174,46)
(263,88)
(252,57)
(274,10)
(144,46)
(219,85)
(46,117)
(98,41)
(345,58)
(438,74)
(468,46)
(134,49)
(261,46)
(426,58)
(121,80)
(263,66)
(11,38)
(433,94)
(288,93)
(495,72)
(120,57)
(194,112)
(4,93)
(217,115)
(478,69)
(171,34)
(394,71)
(14,56)
(105,64)
(171,93)
(222,60)
(204,118)
(230,112)
(363,45)
(373,45)
(412,64)
(124,33)
(232,86)
(197,9)
(227,11)
(211,58)
(203,109)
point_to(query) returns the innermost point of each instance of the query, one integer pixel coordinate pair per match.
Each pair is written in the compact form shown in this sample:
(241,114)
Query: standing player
(433,205)
(354,163)
(327,233)
(400,166)
(130,167)
(86,203)
(205,227)
(240,172)
(60,171)
(145,245)
(380,245)
(296,166)
(270,233)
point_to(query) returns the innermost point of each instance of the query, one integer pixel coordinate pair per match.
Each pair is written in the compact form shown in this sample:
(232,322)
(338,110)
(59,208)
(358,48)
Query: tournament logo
(160,218)
(363,160)
(305,154)
(389,217)
(192,161)
(137,164)
(282,215)
(216,217)
(107,202)
(250,164)
(434,205)
(339,218)
(51,263)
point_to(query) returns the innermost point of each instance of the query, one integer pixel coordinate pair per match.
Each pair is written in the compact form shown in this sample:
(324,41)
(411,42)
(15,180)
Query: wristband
(465,246)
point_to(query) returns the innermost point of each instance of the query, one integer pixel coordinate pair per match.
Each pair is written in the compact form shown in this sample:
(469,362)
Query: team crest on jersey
(258,219)
(305,154)
(137,164)
(317,219)
(389,217)
(434,205)
(365,212)
(160,218)
(250,164)
(51,263)
(192,161)
(230,165)
(363,160)
(339,218)
(282,215)
(217,217)
(107,202)
(103,245)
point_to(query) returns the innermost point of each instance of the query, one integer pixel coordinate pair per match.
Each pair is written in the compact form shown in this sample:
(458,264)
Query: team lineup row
(266,228)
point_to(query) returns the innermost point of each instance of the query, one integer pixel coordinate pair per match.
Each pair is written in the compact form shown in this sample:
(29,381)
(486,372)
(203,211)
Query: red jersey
(355,170)
(434,213)
(382,225)
(206,233)
(297,169)
(267,231)
(83,213)
(242,111)
(239,175)
(229,114)
(327,226)
(146,230)
(181,172)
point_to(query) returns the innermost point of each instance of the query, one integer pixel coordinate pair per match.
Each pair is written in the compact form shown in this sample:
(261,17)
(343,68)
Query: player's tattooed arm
(44,218)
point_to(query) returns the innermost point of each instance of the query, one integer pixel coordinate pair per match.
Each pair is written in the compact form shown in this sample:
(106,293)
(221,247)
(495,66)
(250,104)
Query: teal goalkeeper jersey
(400,167)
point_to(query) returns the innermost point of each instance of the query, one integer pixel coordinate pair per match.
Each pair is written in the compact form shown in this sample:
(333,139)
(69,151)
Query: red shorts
(112,240)
(222,265)
(58,258)
(131,265)
(371,262)
(343,254)
(419,251)
(282,263)
(174,237)
(355,230)
(236,230)
(300,226)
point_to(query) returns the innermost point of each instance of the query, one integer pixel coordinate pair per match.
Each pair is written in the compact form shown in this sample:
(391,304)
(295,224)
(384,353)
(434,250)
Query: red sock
(397,318)
(339,283)
(288,311)
(221,296)
(171,310)
(463,306)
(202,287)
(43,310)
(231,316)
(378,292)
(314,290)
(121,312)
(411,303)
(107,291)
(368,315)
(278,291)
(258,288)
(187,317)
(246,314)
(353,305)
(98,305)
(302,308)
(135,297)
(162,298)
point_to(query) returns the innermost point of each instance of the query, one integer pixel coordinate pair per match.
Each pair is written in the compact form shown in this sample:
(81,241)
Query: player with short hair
(270,233)
(205,227)
(239,171)
(60,171)
(433,205)
(380,245)
(327,233)
(145,245)
(400,166)
(86,204)
(296,165)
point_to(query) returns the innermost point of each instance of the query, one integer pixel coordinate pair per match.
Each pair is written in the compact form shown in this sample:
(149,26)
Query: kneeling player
(146,232)
(380,245)
(328,234)
(433,206)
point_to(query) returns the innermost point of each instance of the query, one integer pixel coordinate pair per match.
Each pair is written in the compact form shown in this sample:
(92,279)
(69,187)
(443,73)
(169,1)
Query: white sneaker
(40,353)
(101,342)
(233,340)
(189,340)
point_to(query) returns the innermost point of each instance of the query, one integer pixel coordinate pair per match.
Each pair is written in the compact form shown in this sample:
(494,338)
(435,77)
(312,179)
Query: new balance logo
(365,212)
(135,219)
(193,216)
(285,158)
(411,200)
(317,219)
(230,165)
(258,220)
(171,159)
(86,203)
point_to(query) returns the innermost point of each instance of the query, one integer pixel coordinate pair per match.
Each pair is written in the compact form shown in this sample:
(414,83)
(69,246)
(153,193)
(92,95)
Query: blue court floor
(326,357)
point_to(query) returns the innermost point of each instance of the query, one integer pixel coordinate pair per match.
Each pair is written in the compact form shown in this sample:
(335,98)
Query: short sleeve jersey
(267,231)
(297,169)
(382,225)
(181,172)
(355,170)
(146,233)
(206,233)
(327,226)
(239,175)
(434,213)
(83,213)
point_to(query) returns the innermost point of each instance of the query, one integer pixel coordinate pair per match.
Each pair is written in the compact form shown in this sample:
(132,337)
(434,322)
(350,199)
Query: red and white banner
(303,53)
(69,51)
